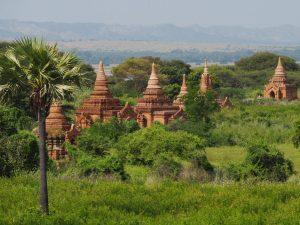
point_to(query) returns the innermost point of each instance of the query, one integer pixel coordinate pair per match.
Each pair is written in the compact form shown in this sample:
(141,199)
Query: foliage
(165,166)
(101,136)
(265,60)
(263,163)
(198,107)
(145,146)
(84,164)
(296,136)
(18,152)
(12,120)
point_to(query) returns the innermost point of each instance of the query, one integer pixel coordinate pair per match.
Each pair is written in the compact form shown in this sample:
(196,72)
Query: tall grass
(86,201)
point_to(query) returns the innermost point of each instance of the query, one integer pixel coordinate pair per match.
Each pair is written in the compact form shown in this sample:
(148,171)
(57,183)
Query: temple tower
(205,82)
(100,105)
(154,106)
(183,91)
(278,87)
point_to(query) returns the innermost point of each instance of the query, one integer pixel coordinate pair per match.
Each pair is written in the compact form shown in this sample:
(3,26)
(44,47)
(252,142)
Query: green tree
(265,60)
(44,74)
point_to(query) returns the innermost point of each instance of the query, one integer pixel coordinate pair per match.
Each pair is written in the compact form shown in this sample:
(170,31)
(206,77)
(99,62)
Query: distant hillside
(284,35)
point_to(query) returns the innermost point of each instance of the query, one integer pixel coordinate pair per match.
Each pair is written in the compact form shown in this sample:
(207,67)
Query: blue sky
(257,13)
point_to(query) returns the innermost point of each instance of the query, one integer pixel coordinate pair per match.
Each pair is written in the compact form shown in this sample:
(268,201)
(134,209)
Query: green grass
(83,201)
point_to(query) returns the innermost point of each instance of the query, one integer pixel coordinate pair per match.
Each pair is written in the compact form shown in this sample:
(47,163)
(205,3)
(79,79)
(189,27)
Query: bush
(263,163)
(296,136)
(101,136)
(144,146)
(12,120)
(84,164)
(18,152)
(165,166)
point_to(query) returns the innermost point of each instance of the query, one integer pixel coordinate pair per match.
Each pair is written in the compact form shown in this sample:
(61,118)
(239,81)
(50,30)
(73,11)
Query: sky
(253,13)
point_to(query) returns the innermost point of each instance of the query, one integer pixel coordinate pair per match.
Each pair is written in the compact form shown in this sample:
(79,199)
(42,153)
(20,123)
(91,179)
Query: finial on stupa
(183,89)
(153,80)
(279,69)
(205,66)
(101,73)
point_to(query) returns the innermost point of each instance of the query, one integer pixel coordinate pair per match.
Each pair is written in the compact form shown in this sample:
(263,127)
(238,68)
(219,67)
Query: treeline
(188,56)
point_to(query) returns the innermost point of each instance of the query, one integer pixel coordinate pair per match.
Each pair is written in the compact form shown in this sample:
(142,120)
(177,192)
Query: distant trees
(265,60)
(131,76)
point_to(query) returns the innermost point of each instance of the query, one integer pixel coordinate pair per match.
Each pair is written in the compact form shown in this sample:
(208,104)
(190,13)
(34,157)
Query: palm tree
(42,72)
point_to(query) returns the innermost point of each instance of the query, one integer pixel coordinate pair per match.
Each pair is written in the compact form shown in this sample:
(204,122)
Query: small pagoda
(205,82)
(183,91)
(100,105)
(154,105)
(278,87)
(58,131)
(206,85)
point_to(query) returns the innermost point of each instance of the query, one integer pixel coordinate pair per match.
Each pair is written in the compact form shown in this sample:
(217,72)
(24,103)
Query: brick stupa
(58,131)
(154,106)
(183,91)
(278,87)
(205,82)
(100,105)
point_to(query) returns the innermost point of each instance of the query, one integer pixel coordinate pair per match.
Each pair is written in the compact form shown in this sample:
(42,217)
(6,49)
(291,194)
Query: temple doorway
(272,94)
(279,94)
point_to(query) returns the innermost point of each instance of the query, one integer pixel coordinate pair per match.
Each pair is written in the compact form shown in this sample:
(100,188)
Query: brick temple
(154,105)
(101,105)
(278,87)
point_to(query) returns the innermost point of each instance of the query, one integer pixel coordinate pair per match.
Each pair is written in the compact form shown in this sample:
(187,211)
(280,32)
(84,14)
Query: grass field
(141,201)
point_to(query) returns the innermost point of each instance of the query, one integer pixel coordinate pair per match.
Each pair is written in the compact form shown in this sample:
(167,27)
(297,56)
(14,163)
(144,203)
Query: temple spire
(101,84)
(205,67)
(183,89)
(101,73)
(279,71)
(153,82)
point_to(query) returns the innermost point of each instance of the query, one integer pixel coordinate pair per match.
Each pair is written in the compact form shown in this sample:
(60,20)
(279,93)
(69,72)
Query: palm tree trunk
(43,163)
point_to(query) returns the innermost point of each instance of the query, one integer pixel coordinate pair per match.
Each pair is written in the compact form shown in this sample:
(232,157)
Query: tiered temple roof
(278,86)
(56,122)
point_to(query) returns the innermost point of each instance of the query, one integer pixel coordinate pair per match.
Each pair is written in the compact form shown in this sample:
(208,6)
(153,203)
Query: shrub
(19,152)
(263,163)
(165,166)
(110,165)
(296,136)
(101,136)
(12,120)
(144,146)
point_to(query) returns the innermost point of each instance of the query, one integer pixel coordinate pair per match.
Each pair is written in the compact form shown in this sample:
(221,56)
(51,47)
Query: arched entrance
(272,94)
(279,94)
